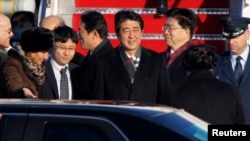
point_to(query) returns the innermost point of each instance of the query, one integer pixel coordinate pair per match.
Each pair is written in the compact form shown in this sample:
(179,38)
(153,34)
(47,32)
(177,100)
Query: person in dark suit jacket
(178,32)
(236,32)
(130,71)
(203,95)
(61,55)
(94,38)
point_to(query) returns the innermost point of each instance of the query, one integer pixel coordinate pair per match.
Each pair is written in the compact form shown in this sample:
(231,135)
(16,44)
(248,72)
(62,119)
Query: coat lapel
(228,70)
(118,66)
(143,65)
(51,79)
(246,71)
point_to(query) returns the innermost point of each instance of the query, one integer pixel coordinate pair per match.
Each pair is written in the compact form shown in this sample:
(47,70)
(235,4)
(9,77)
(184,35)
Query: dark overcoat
(151,82)
(210,99)
(86,73)
(224,72)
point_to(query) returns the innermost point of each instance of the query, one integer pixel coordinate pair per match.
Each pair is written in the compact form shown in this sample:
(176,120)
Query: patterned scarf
(171,57)
(37,70)
(132,63)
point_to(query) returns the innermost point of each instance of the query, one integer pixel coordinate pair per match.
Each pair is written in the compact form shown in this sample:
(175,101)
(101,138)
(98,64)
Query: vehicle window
(11,126)
(70,128)
(1,125)
(73,132)
(148,130)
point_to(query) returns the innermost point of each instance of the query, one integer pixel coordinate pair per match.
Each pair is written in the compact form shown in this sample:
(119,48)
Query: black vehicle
(57,120)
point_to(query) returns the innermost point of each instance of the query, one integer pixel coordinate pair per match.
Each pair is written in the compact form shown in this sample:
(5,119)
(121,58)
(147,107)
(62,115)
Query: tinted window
(73,132)
(2,120)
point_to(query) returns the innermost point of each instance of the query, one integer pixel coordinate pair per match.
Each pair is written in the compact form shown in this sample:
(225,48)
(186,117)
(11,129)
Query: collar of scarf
(37,70)
(171,57)
(131,64)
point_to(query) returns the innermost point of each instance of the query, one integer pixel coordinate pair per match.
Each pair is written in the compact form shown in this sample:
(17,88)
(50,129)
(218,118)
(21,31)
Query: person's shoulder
(12,61)
(73,65)
(224,54)
(152,54)
(78,58)
(225,86)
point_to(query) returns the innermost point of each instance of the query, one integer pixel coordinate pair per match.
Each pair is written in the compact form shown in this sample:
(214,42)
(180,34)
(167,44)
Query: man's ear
(96,34)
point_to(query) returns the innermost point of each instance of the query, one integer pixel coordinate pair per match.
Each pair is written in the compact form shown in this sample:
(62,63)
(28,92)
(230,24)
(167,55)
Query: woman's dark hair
(201,56)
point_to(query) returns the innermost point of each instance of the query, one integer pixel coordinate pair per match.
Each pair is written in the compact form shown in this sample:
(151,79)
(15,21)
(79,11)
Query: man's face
(238,44)
(63,53)
(175,35)
(86,38)
(130,35)
(5,34)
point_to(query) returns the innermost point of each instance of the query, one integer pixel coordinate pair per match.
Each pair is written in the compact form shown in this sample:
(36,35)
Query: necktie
(130,68)
(64,88)
(238,70)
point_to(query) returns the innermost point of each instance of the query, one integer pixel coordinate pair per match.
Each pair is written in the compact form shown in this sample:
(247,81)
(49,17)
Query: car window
(73,132)
(12,126)
(55,127)
(1,125)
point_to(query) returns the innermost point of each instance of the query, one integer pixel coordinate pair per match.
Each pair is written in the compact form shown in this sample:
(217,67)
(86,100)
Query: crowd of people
(41,62)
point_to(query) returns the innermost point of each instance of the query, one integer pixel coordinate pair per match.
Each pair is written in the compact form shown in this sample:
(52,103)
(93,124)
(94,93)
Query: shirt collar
(56,66)
(243,55)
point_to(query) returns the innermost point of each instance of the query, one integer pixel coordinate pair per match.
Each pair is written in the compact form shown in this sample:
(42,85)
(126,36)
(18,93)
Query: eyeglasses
(64,48)
(168,28)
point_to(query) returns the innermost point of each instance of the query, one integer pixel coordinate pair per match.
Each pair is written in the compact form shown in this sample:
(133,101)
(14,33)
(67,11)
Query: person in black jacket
(130,71)
(62,53)
(202,94)
(93,32)
(178,32)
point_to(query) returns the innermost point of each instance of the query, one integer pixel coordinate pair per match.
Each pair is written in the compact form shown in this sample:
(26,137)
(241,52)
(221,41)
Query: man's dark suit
(49,88)
(150,84)
(177,72)
(224,72)
(78,58)
(87,71)
(3,56)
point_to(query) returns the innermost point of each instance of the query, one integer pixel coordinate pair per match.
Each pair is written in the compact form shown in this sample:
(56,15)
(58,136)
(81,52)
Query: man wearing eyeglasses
(59,79)
(5,36)
(178,31)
